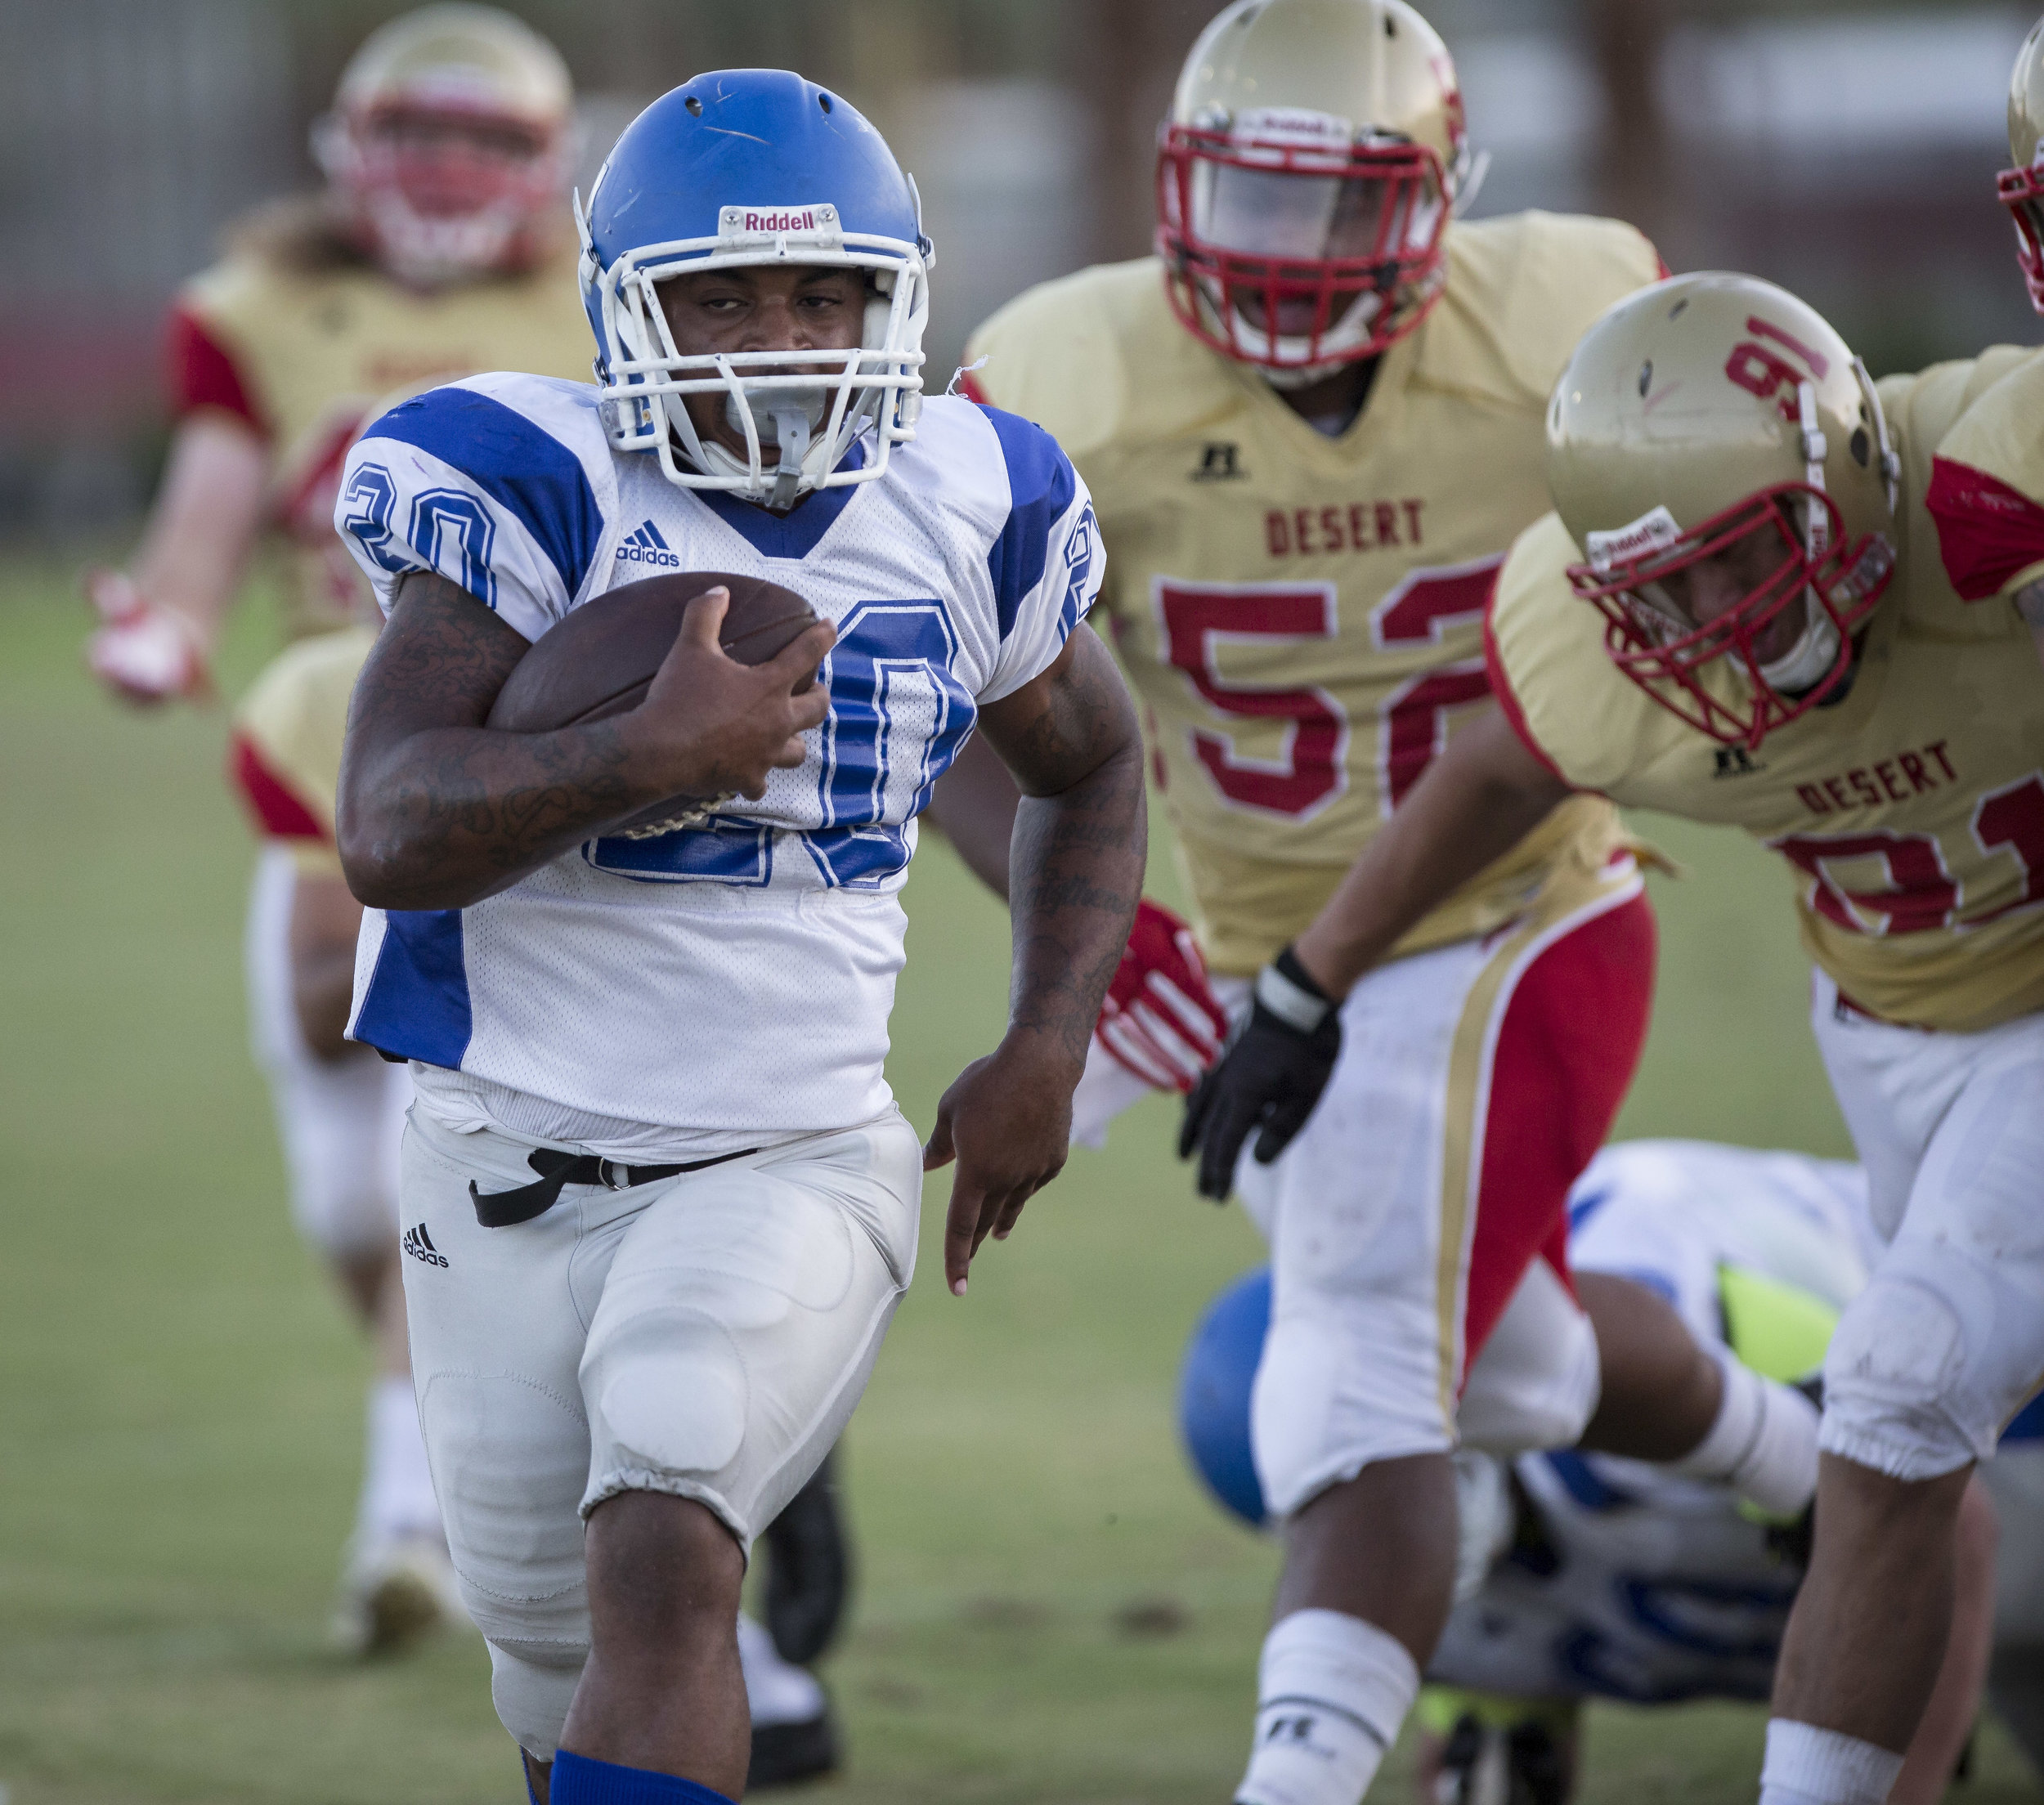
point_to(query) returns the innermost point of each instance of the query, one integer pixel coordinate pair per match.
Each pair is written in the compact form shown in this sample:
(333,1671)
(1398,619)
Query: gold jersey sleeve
(315,348)
(288,730)
(1910,815)
(1300,615)
(1987,482)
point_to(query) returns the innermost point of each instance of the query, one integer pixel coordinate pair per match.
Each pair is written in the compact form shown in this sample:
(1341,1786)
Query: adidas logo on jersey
(419,1245)
(647,547)
(1735,761)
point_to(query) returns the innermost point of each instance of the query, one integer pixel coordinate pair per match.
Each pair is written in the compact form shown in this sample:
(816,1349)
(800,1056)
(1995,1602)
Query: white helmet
(1305,179)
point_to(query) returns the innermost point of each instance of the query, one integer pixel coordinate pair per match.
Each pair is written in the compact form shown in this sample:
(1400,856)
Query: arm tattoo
(1081,835)
(434,812)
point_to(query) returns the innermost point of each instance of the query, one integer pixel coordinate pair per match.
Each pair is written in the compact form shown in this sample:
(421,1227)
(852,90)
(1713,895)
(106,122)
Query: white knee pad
(532,1685)
(1537,1381)
(740,1322)
(1340,1387)
(510,1460)
(1929,1362)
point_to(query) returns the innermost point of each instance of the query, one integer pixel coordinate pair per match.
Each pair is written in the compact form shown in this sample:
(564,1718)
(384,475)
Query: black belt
(556,1167)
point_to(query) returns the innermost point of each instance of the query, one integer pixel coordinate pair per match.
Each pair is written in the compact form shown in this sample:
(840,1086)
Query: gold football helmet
(2021,185)
(1721,457)
(1305,179)
(449,143)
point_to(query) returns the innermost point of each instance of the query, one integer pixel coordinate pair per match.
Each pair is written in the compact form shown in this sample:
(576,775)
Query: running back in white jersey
(727,986)
(1640,1584)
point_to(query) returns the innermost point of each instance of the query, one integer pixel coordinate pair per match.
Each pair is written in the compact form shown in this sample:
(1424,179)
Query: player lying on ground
(681,1033)
(434,249)
(1311,430)
(1586,1576)
(1737,614)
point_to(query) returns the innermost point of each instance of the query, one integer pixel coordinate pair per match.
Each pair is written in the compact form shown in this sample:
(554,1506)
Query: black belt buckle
(559,1168)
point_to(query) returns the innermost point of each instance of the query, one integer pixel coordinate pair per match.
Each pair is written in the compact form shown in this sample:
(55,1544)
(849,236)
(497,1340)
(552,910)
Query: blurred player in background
(1738,613)
(1312,427)
(439,246)
(1987,486)
(1603,1578)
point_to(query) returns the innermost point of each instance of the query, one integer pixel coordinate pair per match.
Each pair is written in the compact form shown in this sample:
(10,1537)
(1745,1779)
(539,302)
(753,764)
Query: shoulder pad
(1521,290)
(1098,360)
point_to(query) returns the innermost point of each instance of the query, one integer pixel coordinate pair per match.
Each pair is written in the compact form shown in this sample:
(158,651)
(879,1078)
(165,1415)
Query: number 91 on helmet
(1720,456)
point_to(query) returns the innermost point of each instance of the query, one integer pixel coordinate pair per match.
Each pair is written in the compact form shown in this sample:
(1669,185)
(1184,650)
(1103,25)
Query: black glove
(809,1569)
(1270,1077)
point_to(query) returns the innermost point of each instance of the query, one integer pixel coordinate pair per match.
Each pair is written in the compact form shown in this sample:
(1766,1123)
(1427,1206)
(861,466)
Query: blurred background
(1846,151)
(1046,1607)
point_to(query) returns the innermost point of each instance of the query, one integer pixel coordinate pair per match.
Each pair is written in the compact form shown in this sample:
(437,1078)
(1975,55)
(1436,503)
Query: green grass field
(1048,1610)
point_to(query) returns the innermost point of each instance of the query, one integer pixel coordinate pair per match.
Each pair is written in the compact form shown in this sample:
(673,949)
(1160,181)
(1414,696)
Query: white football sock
(1331,1692)
(1807,1766)
(397,1484)
(1763,1443)
(776,1692)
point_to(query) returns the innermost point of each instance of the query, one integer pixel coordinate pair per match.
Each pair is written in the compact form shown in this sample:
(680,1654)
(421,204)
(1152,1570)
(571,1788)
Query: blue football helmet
(1213,1394)
(752,166)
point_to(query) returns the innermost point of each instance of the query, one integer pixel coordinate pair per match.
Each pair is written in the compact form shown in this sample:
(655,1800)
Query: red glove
(142,652)
(1159,1020)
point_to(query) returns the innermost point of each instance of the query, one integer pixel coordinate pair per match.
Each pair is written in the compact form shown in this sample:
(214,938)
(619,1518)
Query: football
(599,660)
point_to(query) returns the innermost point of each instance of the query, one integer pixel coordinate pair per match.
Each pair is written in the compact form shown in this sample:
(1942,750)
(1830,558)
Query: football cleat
(393,1594)
(786,1754)
(794,1736)
(1494,1764)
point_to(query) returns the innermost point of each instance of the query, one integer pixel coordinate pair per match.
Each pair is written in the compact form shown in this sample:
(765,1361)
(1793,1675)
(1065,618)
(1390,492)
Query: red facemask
(1811,577)
(2022,192)
(1292,250)
(440,196)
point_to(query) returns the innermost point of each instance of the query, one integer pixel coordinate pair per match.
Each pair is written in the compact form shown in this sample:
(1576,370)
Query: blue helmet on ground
(1213,1394)
(749,167)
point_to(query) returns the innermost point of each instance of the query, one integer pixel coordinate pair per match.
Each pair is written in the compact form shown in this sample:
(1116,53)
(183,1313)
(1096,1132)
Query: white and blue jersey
(726,986)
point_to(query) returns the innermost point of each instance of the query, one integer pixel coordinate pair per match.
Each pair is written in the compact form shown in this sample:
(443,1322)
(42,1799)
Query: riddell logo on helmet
(779,219)
(1654,530)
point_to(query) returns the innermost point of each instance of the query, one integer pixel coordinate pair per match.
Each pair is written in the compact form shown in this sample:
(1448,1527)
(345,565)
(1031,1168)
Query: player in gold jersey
(433,251)
(1739,613)
(438,249)
(1311,428)
(1986,486)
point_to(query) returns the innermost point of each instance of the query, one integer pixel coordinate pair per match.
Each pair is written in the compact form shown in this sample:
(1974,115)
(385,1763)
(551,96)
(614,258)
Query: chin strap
(1890,462)
(1816,523)
(791,434)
